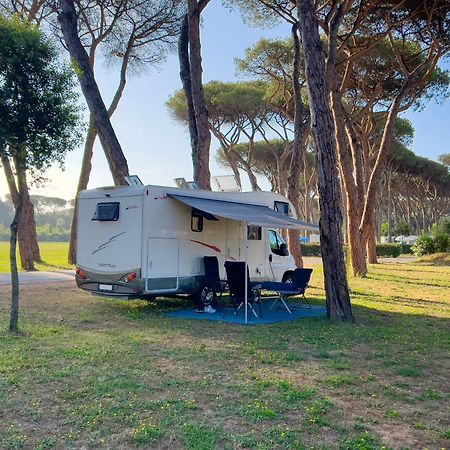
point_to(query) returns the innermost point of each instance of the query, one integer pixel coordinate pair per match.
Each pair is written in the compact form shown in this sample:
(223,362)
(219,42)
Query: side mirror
(284,250)
(270,258)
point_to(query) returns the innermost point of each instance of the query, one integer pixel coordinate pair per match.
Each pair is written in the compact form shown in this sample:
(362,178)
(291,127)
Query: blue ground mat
(277,314)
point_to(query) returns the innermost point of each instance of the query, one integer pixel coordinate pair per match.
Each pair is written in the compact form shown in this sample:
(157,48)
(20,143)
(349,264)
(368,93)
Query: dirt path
(38,277)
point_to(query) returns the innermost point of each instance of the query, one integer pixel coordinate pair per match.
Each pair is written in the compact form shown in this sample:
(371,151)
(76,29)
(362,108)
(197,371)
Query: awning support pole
(245,271)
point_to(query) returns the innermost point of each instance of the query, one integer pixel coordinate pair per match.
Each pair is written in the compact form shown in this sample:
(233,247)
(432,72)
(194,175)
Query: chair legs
(281,298)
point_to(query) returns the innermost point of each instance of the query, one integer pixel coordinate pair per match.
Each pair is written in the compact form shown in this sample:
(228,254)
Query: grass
(88,372)
(54,256)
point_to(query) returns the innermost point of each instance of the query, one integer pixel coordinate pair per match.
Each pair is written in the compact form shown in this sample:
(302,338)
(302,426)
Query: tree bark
(354,196)
(14,315)
(380,164)
(298,150)
(83,180)
(372,243)
(27,236)
(336,288)
(113,151)
(202,174)
(189,54)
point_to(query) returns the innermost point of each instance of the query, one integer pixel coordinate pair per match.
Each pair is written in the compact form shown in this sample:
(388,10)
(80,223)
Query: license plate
(105,287)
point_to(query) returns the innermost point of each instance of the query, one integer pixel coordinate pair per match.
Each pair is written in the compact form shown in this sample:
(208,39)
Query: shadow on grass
(406,280)
(392,299)
(412,331)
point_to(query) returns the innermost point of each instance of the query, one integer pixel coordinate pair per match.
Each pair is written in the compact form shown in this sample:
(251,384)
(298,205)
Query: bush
(310,249)
(441,242)
(384,250)
(54,237)
(406,249)
(423,246)
(392,250)
(442,227)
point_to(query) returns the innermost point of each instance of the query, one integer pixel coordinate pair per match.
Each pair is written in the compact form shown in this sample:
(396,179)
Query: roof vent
(226,183)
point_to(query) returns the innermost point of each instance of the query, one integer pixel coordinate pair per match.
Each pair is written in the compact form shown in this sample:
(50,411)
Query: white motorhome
(148,241)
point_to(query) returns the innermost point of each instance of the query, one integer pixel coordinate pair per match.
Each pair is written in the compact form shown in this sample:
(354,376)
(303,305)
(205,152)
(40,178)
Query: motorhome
(149,241)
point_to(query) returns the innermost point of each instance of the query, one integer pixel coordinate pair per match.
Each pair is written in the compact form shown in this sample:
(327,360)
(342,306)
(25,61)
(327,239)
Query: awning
(244,212)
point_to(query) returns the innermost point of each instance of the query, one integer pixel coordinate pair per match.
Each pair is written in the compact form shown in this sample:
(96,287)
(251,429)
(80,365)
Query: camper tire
(205,296)
(288,277)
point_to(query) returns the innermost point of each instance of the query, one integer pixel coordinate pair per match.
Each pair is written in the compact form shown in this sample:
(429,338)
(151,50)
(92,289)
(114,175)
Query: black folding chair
(300,280)
(296,285)
(212,275)
(236,283)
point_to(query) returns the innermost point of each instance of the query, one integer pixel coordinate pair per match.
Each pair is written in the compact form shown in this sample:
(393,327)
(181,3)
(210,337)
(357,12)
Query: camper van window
(275,241)
(196,221)
(282,207)
(107,212)
(253,233)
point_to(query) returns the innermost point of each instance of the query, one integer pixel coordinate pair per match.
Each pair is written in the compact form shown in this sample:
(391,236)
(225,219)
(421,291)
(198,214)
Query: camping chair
(297,286)
(236,282)
(300,280)
(212,276)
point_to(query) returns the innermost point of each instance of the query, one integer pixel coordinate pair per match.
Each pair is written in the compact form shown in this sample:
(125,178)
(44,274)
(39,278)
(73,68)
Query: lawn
(94,373)
(54,256)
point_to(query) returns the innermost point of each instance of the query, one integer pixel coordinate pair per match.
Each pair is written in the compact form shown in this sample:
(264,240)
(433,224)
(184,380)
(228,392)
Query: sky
(157,147)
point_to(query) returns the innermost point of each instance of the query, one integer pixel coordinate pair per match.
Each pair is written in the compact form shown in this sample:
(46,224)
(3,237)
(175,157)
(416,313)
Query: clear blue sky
(158,148)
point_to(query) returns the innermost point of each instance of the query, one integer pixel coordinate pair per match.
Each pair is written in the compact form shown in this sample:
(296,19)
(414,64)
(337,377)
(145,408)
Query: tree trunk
(83,180)
(372,243)
(353,190)
(380,165)
(27,236)
(298,151)
(336,288)
(294,247)
(189,54)
(28,243)
(14,316)
(113,152)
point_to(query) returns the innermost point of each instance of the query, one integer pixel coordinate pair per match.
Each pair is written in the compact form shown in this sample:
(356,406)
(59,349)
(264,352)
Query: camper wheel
(205,296)
(288,277)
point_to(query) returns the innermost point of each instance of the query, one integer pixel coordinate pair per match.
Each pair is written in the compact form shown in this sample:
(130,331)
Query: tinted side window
(282,207)
(107,212)
(196,221)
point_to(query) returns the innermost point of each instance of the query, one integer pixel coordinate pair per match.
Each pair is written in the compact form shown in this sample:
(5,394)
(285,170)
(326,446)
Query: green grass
(54,256)
(93,373)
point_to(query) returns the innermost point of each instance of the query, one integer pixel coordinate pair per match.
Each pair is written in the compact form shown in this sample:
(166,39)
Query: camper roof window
(107,212)
(282,207)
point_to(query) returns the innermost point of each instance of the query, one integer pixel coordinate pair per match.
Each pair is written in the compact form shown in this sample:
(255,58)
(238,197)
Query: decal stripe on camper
(212,247)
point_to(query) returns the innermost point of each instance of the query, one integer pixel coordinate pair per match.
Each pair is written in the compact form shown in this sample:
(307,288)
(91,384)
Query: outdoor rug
(277,314)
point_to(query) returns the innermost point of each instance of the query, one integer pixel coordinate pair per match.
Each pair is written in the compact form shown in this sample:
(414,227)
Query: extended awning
(244,212)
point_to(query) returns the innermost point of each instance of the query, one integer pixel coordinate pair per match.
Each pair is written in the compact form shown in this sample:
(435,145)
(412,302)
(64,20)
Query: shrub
(406,249)
(384,250)
(441,242)
(310,249)
(392,250)
(442,227)
(423,246)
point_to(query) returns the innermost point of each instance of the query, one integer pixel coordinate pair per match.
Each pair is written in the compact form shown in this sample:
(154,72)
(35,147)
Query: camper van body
(140,242)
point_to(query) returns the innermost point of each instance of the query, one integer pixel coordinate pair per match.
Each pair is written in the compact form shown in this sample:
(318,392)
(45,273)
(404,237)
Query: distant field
(95,373)
(54,256)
